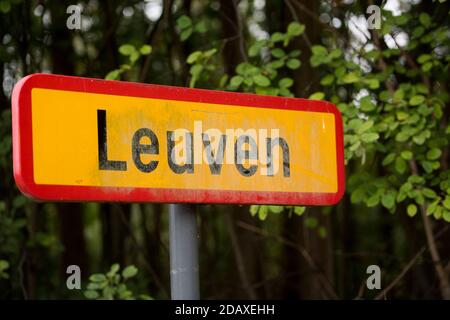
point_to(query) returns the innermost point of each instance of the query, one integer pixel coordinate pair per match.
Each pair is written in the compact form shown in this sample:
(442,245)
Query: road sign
(79,139)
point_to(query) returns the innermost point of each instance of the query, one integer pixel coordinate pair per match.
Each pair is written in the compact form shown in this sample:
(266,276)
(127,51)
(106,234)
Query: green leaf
(193,57)
(317,60)
(418,197)
(434,154)
(261,80)
(415,179)
(446,202)
(185,34)
(388,200)
(401,196)
(95,286)
(317,96)
(4,265)
(364,127)
(423,109)
(388,159)
(429,193)
(294,53)
(209,53)
(97,277)
(400,165)
(263,212)
(401,115)
(278,53)
(373,83)
(366,104)
(354,124)
(432,207)
(299,210)
(285,92)
(369,137)
(402,19)
(319,50)
(129,272)
(438,213)
(311,222)
(145,49)
(195,70)
(407,155)
(351,77)
(412,210)
(427,166)
(201,27)
(418,31)
(423,58)
(184,22)
(255,48)
(438,111)
(236,81)
(254,209)
(285,83)
(5,6)
(420,139)
(335,53)
(425,19)
(108,293)
(134,57)
(446,216)
(373,201)
(399,94)
(114,268)
(295,29)
(91,294)
(127,49)
(276,64)
(322,232)
(293,64)
(327,80)
(416,100)
(427,66)
(276,209)
(277,37)
(357,195)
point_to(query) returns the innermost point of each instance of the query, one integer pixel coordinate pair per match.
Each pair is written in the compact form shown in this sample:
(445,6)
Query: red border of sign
(23,147)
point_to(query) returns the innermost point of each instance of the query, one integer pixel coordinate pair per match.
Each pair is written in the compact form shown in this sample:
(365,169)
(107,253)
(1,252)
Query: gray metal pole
(184,281)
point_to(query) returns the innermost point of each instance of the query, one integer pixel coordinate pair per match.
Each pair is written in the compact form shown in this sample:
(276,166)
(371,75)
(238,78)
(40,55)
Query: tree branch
(312,264)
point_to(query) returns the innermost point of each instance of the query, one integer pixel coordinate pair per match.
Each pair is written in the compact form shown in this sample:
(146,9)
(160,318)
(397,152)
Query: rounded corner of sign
(339,194)
(17,90)
(334,109)
(25,188)
(23,86)
(24,81)
(27,81)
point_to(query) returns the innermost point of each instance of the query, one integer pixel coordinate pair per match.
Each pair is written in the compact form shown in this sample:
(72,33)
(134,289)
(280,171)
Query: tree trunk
(233,48)
(70,214)
(304,282)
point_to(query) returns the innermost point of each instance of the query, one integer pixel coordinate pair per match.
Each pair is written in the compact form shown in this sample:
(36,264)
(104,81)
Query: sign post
(80,139)
(184,282)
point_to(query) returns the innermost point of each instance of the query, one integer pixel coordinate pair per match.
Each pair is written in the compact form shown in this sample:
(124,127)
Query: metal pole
(184,281)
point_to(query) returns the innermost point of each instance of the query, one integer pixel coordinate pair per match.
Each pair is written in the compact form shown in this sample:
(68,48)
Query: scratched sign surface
(79,139)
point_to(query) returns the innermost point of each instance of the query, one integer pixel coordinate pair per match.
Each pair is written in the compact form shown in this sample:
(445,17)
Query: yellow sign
(86,138)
